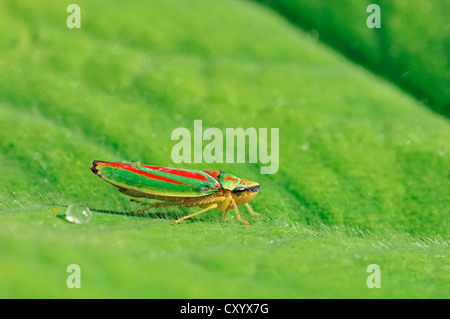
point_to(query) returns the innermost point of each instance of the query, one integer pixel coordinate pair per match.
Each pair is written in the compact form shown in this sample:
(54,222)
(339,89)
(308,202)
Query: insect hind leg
(140,202)
(151,205)
(196,213)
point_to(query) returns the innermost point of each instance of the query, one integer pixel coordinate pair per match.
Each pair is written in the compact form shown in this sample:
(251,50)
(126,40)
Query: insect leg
(237,213)
(197,213)
(222,201)
(224,216)
(154,205)
(140,202)
(133,200)
(225,203)
(250,210)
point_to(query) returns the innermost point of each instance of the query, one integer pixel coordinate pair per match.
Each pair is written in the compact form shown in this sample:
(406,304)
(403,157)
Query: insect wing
(157,180)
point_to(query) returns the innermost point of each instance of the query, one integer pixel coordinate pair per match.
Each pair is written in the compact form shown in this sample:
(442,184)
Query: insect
(179,187)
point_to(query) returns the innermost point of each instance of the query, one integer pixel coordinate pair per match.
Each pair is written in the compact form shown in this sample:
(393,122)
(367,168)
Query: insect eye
(239,191)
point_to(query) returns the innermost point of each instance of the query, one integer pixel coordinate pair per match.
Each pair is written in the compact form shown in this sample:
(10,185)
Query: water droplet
(78,214)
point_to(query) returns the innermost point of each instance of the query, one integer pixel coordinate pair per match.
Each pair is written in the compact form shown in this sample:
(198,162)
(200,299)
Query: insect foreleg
(238,216)
(250,210)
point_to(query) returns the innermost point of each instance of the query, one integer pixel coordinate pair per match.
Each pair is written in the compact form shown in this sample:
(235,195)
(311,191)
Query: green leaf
(363,174)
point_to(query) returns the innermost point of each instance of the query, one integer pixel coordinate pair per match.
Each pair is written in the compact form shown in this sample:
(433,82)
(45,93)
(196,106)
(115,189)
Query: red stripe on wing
(129,167)
(174,171)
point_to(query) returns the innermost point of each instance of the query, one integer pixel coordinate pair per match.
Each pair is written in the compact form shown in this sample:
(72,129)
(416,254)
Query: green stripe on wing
(142,182)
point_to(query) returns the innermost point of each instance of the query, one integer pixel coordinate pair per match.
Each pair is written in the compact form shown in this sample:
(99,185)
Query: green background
(364,166)
(411,48)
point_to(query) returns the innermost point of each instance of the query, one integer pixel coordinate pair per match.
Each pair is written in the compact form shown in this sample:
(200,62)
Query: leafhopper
(179,187)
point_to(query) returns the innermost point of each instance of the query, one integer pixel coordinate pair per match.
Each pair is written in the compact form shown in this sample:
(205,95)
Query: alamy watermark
(374,19)
(237,146)
(74,19)
(74,279)
(374,279)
